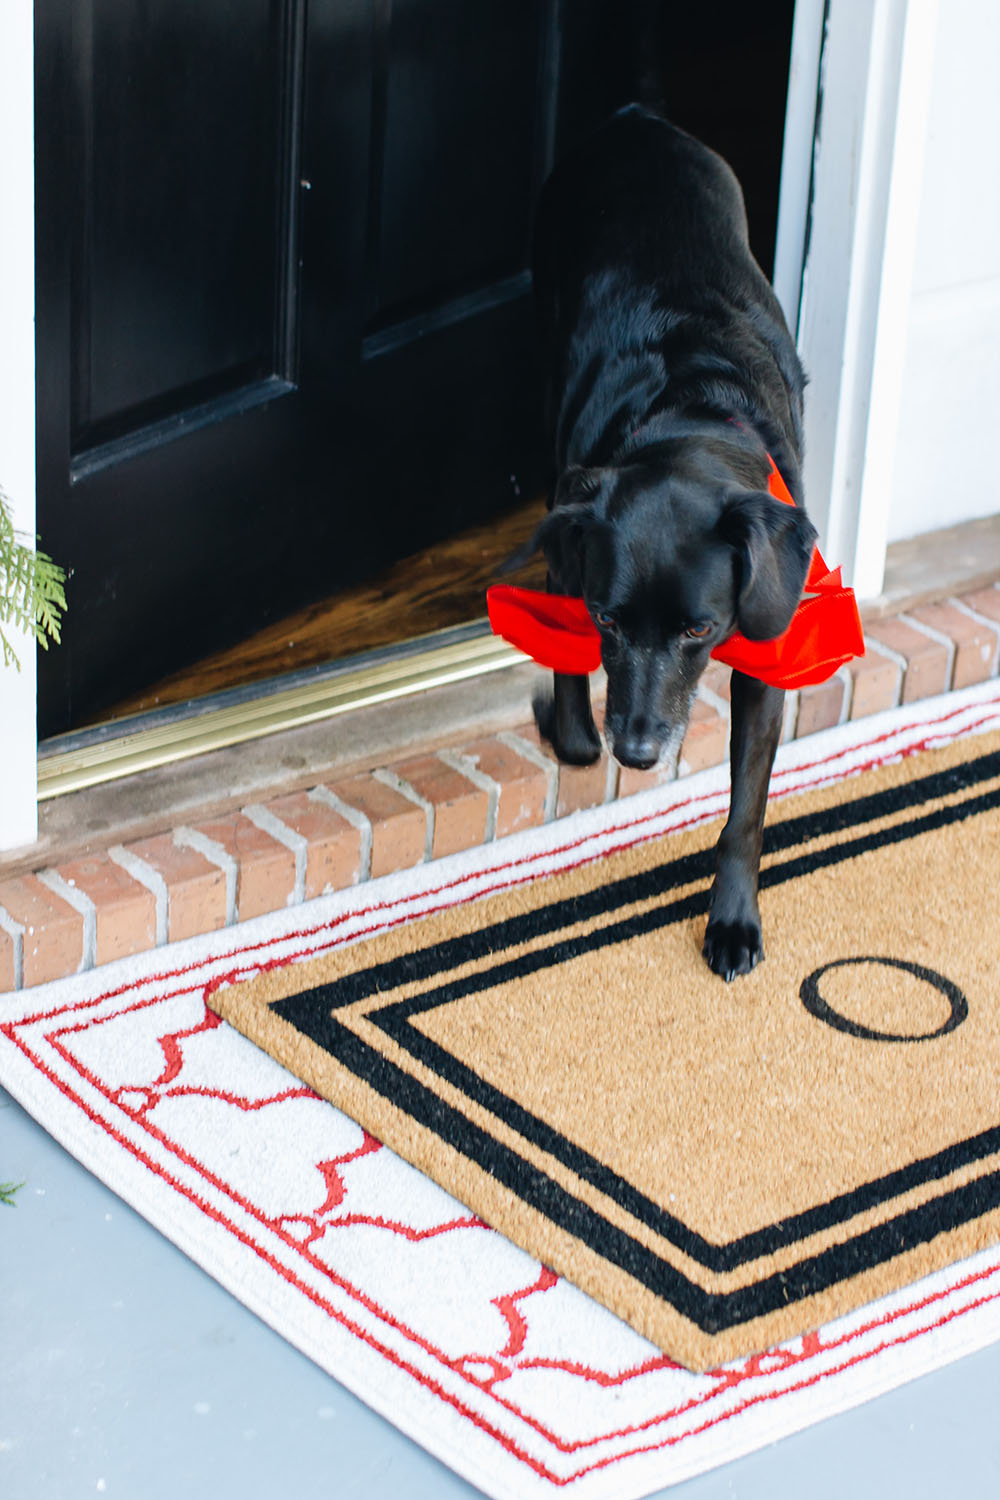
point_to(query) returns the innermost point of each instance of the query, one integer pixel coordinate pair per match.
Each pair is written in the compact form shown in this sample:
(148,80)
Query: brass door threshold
(124,747)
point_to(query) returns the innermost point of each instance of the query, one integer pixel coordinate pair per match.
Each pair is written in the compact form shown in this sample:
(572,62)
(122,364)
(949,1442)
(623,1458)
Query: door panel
(171,422)
(447,376)
(185,225)
(458,160)
(158,309)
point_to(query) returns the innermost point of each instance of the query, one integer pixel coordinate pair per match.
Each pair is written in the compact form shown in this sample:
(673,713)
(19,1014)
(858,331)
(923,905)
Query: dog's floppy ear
(773,544)
(576,513)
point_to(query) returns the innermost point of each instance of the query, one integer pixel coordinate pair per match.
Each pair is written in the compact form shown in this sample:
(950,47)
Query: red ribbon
(825,630)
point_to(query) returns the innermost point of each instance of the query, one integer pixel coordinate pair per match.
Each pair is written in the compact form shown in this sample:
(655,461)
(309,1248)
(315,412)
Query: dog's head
(670,564)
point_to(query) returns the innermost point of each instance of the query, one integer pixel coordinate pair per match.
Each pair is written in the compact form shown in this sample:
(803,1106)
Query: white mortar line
(389,778)
(611,774)
(993,625)
(714,700)
(216,854)
(893,655)
(16,932)
(940,637)
(268,822)
(537,757)
(82,903)
(354,815)
(790,715)
(671,755)
(877,648)
(466,766)
(848,694)
(145,874)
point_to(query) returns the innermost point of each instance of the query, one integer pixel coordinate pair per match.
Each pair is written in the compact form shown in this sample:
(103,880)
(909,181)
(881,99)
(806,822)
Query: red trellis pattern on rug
(496,1365)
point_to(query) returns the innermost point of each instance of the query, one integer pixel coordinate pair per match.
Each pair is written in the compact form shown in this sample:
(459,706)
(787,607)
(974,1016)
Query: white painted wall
(946,468)
(18,785)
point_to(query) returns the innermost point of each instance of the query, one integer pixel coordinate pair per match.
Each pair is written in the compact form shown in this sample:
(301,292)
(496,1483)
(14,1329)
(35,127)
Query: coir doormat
(724,1167)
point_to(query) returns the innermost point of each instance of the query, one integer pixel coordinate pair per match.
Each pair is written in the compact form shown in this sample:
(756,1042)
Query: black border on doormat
(312,1013)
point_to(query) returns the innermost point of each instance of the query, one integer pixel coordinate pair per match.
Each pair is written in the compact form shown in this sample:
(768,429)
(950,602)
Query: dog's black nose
(638,752)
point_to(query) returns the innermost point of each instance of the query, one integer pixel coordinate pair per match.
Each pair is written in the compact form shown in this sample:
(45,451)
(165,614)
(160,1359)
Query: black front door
(283,300)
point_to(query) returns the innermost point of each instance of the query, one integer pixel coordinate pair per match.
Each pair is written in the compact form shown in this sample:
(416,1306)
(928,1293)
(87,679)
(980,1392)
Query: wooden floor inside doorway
(442,586)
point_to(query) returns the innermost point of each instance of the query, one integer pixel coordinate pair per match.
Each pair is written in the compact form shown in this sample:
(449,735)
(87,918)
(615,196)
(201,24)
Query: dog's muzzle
(639,751)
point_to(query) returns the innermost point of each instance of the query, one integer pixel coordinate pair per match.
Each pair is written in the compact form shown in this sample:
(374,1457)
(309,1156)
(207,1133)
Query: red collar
(825,631)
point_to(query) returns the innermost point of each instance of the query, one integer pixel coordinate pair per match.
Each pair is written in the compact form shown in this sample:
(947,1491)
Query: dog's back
(650,299)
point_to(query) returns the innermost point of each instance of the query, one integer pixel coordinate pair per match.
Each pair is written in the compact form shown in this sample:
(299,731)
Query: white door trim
(18,784)
(871,119)
(795,195)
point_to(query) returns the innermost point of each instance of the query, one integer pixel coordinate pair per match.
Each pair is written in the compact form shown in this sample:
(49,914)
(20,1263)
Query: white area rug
(506,1373)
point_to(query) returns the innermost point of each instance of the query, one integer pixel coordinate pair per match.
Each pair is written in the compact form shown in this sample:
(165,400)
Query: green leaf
(32,593)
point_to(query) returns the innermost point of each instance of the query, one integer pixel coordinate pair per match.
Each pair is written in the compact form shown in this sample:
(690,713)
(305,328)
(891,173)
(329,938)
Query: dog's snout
(639,751)
(636,738)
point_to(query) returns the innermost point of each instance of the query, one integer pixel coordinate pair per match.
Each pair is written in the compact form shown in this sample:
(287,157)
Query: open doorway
(288,402)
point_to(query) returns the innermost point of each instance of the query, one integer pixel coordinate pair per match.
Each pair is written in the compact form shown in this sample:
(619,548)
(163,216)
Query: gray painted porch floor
(126,1371)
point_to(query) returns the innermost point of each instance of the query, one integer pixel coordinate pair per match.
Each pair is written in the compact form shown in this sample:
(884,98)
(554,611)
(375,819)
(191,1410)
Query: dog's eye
(604,620)
(698,632)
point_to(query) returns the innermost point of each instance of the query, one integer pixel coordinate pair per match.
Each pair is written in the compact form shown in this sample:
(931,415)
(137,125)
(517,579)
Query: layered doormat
(729,1167)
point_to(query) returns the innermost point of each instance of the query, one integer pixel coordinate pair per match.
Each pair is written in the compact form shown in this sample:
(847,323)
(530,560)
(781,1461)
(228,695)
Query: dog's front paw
(576,743)
(579,749)
(732,948)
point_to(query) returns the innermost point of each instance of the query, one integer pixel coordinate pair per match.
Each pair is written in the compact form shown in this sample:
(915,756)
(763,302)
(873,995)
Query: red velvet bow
(825,631)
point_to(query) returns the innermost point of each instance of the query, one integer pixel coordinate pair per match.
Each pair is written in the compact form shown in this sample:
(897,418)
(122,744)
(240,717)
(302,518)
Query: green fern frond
(7,1191)
(32,593)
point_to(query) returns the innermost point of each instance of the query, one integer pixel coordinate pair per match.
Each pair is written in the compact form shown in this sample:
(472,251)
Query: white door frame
(795,196)
(855,126)
(869,133)
(18,784)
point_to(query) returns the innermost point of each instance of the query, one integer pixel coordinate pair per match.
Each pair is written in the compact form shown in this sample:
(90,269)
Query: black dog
(671,376)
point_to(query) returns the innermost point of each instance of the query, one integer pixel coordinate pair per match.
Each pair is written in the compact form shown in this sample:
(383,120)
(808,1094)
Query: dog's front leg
(733,943)
(567,719)
(574,734)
